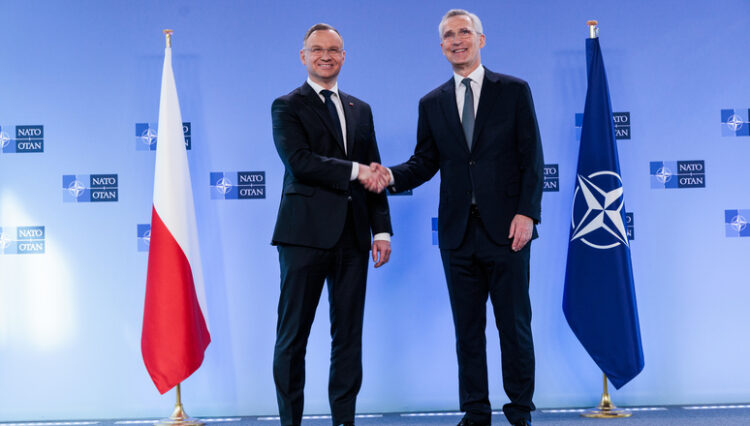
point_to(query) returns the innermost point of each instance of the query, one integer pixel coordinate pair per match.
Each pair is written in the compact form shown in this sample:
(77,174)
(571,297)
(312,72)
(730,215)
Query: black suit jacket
(504,169)
(317,188)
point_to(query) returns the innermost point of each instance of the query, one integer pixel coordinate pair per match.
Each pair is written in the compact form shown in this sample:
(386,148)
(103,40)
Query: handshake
(374,177)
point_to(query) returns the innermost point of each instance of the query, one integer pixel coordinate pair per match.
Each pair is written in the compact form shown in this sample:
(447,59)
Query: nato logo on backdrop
(22,240)
(144,236)
(622,125)
(90,188)
(146,136)
(551,178)
(21,139)
(238,185)
(735,122)
(736,223)
(678,174)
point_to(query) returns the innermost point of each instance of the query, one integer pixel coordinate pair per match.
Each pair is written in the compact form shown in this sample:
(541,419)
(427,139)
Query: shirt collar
(317,87)
(477,76)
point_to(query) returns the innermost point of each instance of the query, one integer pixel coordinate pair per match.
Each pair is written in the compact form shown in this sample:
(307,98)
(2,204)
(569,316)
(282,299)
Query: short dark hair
(318,27)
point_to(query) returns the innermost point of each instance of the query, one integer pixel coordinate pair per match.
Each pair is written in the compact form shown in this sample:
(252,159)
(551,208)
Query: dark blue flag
(599,298)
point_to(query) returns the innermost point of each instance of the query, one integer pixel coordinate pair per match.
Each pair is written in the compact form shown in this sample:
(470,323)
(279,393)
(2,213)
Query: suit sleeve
(294,149)
(377,204)
(532,160)
(425,161)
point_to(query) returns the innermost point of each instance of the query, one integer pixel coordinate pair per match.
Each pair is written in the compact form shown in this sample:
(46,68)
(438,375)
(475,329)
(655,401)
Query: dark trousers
(303,273)
(479,268)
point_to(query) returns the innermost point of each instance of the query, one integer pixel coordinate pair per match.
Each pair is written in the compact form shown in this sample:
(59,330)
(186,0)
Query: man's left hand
(381,252)
(521,228)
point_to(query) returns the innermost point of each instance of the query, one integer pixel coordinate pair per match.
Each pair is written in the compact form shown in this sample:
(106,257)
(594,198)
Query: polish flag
(175,334)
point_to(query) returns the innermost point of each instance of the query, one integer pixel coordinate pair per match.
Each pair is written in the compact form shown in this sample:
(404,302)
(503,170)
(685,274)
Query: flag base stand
(605,409)
(179,417)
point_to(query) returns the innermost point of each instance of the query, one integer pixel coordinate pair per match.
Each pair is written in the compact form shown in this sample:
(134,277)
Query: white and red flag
(175,333)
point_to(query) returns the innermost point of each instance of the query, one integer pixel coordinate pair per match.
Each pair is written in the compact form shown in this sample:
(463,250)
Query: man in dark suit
(479,129)
(326,140)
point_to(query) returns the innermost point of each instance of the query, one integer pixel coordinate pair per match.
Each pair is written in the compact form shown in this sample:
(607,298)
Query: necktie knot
(467,82)
(326,94)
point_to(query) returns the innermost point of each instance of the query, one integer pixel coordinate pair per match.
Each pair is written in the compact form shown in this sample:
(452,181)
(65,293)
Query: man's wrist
(390,173)
(355,171)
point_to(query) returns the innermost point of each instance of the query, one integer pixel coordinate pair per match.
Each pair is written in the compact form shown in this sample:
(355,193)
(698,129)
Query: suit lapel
(351,124)
(450,110)
(313,101)
(490,94)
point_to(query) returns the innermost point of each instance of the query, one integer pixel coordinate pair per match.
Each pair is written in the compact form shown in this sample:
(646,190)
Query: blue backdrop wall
(85,76)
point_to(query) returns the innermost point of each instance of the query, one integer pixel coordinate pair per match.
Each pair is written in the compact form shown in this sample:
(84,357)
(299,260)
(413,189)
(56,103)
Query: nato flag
(599,298)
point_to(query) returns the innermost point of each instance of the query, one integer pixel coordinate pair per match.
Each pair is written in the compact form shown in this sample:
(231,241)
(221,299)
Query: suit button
(472,162)
(468,192)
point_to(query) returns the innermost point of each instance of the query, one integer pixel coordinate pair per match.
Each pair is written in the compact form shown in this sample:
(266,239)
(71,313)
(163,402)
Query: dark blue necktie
(467,118)
(334,114)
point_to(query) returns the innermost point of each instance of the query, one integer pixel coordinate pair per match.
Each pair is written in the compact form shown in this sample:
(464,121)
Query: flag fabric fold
(175,332)
(599,298)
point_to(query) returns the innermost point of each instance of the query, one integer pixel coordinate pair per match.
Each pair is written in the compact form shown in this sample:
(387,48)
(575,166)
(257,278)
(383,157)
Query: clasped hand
(374,177)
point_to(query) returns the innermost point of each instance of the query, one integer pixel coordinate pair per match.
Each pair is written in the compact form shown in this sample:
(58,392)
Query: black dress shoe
(347,424)
(523,422)
(468,422)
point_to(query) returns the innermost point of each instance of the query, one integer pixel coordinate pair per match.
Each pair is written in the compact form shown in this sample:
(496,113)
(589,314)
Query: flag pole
(168,34)
(179,417)
(605,409)
(593,28)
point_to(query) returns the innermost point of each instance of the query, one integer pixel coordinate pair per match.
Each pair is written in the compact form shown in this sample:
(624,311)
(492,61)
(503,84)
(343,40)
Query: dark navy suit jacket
(316,187)
(503,170)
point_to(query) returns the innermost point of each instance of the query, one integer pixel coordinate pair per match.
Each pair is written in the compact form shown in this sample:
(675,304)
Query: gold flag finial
(593,28)
(168,33)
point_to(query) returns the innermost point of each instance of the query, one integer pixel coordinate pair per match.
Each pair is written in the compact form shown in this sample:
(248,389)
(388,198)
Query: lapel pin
(351,103)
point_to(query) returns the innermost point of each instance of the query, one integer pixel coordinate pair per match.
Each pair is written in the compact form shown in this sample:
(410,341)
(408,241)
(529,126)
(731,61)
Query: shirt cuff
(382,236)
(390,173)
(355,171)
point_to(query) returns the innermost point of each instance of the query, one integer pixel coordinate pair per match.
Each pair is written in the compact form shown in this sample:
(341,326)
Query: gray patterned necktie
(467,118)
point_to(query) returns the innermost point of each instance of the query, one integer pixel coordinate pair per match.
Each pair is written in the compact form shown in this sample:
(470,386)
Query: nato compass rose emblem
(76,188)
(223,185)
(597,211)
(738,223)
(4,139)
(735,122)
(664,175)
(148,136)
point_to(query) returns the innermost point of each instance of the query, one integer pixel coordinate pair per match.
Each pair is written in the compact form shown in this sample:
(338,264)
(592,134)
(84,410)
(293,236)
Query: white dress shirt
(477,78)
(336,101)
